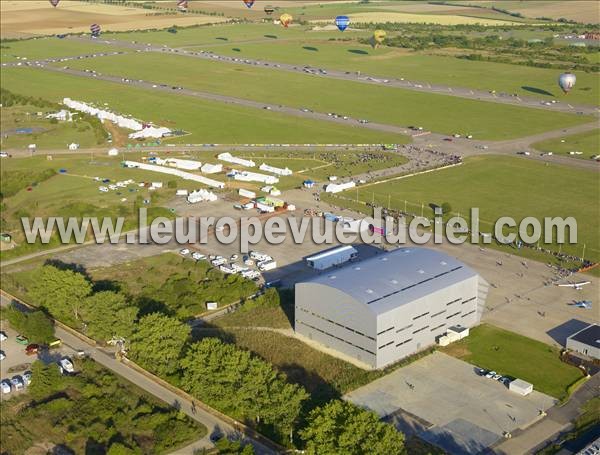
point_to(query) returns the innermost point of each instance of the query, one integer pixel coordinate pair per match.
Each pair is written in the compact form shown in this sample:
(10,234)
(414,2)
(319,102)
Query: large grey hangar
(389,306)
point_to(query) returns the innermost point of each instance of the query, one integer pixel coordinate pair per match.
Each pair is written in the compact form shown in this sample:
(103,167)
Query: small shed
(308,184)
(521,387)
(73,146)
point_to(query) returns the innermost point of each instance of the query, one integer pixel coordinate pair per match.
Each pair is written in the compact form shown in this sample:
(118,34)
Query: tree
(61,292)
(34,325)
(120,449)
(45,380)
(157,343)
(342,427)
(107,315)
(446,208)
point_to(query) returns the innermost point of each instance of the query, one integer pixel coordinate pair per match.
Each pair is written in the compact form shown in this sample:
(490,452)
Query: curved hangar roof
(390,279)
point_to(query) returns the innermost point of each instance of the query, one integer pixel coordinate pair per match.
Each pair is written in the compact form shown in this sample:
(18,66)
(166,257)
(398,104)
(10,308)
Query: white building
(208,168)
(275,170)
(245,176)
(201,195)
(187,165)
(73,146)
(338,187)
(228,157)
(63,115)
(182,174)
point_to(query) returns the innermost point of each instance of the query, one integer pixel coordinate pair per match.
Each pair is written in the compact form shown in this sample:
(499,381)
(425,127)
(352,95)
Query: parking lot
(446,402)
(16,361)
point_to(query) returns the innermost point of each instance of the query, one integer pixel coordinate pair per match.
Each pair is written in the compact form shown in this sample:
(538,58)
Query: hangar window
(403,342)
(452,315)
(337,338)
(404,328)
(467,314)
(420,316)
(469,300)
(386,330)
(421,329)
(385,345)
(453,302)
(438,327)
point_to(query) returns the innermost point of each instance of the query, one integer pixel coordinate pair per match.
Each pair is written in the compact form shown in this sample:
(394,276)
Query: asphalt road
(358,77)
(108,361)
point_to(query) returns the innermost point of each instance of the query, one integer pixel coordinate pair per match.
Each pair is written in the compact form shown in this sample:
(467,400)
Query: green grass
(397,63)
(501,186)
(588,143)
(91,411)
(516,356)
(207,121)
(49,136)
(50,47)
(484,120)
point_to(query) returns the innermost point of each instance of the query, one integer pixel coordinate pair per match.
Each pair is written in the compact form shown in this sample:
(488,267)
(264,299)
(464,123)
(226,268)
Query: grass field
(484,120)
(517,356)
(72,194)
(502,186)
(51,47)
(208,122)
(587,143)
(45,134)
(396,63)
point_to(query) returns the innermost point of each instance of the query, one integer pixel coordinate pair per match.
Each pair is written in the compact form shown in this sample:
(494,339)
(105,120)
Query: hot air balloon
(54,2)
(182,5)
(248,3)
(378,37)
(342,22)
(566,81)
(95,29)
(269,9)
(285,19)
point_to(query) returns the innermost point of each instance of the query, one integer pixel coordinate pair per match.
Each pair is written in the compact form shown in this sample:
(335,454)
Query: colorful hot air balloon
(54,2)
(566,81)
(342,22)
(269,9)
(378,37)
(182,5)
(286,19)
(95,29)
(248,3)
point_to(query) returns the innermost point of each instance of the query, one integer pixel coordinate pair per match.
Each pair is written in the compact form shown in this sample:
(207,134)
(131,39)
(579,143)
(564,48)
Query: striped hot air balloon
(95,29)
(248,3)
(54,2)
(342,22)
(182,5)
(286,19)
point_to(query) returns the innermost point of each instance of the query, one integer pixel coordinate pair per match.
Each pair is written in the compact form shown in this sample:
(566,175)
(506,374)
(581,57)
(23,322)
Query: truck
(259,257)
(267,265)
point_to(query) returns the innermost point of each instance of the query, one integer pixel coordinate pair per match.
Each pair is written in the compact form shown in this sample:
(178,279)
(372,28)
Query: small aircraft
(579,286)
(585,304)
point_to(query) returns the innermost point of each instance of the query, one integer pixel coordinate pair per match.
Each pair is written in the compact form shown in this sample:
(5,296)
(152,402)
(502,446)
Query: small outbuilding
(521,387)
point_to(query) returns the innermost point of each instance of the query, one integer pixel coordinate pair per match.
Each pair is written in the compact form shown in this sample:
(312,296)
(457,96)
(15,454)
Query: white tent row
(228,157)
(184,175)
(208,168)
(201,195)
(188,165)
(338,187)
(245,176)
(121,121)
(275,170)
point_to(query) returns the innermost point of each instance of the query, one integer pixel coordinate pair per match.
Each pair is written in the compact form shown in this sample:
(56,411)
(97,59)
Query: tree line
(230,379)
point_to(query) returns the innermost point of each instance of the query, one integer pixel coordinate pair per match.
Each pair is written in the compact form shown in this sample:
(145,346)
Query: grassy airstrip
(587,143)
(207,121)
(43,48)
(501,186)
(439,113)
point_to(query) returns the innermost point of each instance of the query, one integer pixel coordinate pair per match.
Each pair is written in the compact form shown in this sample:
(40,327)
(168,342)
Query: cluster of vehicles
(24,61)
(490,374)
(16,383)
(262,262)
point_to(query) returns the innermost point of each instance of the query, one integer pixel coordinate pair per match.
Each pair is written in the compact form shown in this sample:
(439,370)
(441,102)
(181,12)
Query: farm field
(38,17)
(94,402)
(578,10)
(207,121)
(514,355)
(497,185)
(484,120)
(397,63)
(587,143)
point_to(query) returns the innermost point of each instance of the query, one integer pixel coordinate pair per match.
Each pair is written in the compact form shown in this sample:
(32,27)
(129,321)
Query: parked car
(2,355)
(5,386)
(27,377)
(3,336)
(490,374)
(32,349)
(21,339)
(496,377)
(184,252)
(17,382)
(198,256)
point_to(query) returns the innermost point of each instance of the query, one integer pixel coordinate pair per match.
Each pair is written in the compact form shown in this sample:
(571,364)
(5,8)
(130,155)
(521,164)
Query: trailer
(330,258)
(267,265)
(521,387)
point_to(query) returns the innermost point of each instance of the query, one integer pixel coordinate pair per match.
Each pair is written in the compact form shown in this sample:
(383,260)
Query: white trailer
(267,265)
(336,256)
(521,387)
